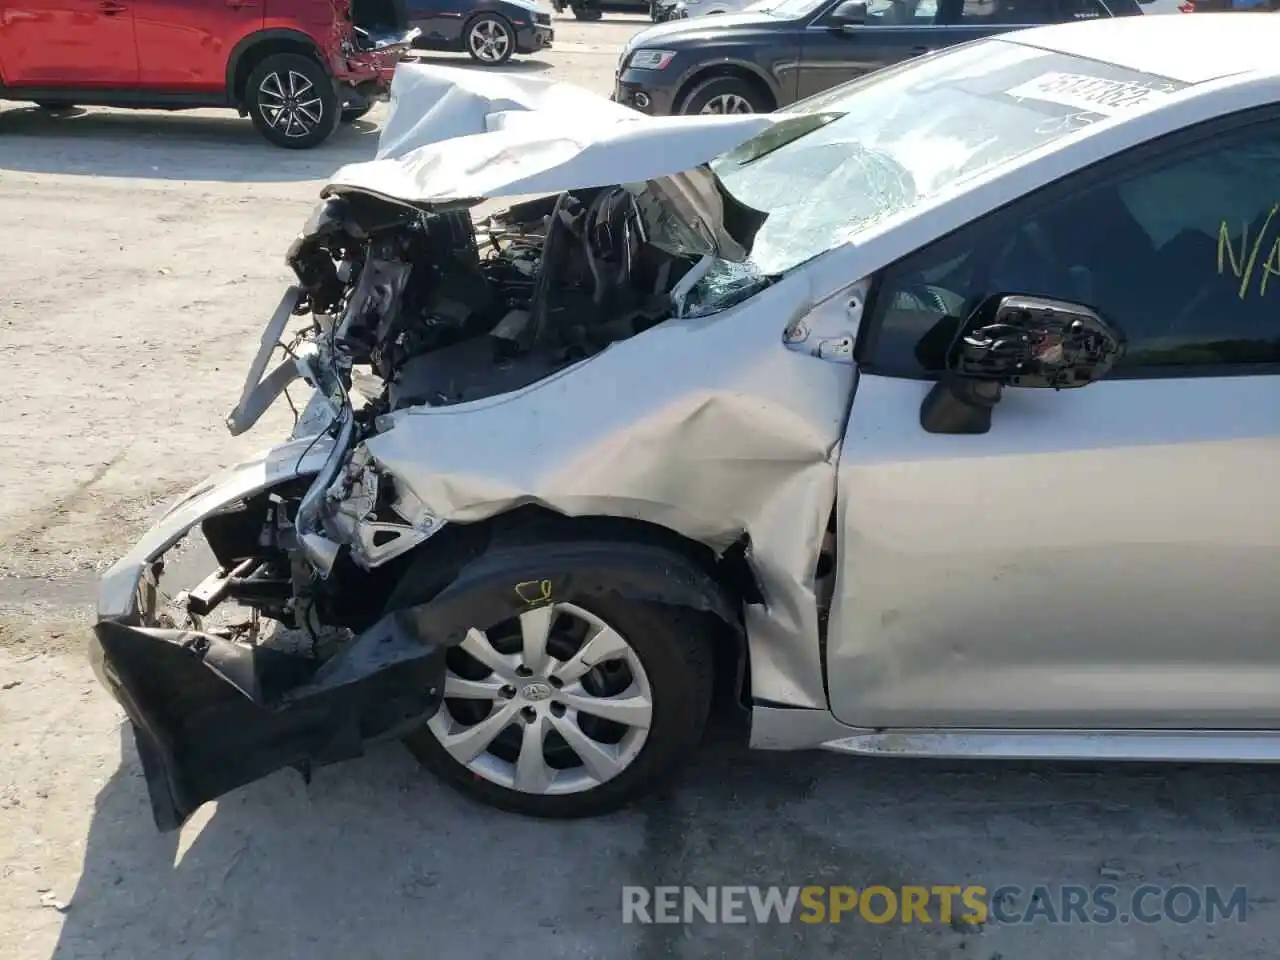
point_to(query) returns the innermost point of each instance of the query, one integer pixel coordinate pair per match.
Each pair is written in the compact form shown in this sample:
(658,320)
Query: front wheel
(724,95)
(293,101)
(572,709)
(490,39)
(585,12)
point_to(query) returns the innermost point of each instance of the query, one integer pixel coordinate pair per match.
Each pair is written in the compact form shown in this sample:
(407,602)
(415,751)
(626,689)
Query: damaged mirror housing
(1014,340)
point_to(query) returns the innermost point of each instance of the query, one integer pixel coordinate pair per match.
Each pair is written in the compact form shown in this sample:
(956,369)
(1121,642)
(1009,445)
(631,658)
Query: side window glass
(898,13)
(1183,255)
(981,12)
(1080,10)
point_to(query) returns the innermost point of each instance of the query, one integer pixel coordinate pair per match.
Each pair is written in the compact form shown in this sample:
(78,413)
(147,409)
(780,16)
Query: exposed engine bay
(456,465)
(444,311)
(415,307)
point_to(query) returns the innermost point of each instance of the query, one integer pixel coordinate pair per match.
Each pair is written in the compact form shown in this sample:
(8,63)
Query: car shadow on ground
(167,146)
(376,859)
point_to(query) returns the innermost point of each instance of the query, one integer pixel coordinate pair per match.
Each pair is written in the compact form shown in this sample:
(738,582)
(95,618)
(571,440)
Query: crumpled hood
(457,135)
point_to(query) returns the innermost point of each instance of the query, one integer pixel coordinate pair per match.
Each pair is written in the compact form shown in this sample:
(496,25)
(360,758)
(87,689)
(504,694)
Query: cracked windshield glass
(846,159)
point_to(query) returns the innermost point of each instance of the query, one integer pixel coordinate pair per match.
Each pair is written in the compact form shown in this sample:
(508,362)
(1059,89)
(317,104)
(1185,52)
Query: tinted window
(1183,255)
(1007,11)
(1080,10)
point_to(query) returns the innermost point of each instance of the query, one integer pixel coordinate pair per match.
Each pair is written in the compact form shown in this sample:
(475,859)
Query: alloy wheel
(727,103)
(554,701)
(489,41)
(290,103)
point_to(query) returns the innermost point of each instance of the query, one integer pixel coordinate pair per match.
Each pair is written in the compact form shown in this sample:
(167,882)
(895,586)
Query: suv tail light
(1187,6)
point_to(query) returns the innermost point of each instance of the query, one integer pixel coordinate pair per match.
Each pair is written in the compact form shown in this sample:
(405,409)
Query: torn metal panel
(117,592)
(430,104)
(466,136)
(712,451)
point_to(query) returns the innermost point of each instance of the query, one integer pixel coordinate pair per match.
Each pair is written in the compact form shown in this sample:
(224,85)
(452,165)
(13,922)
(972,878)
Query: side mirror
(1017,341)
(851,13)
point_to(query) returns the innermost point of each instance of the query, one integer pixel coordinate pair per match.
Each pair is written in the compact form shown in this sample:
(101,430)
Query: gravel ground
(144,252)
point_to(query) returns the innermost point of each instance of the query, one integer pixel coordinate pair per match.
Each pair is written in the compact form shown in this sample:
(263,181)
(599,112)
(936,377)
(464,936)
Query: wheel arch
(738,69)
(663,566)
(256,47)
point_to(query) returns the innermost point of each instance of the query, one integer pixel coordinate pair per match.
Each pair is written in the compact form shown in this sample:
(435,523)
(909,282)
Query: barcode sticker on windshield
(1094,94)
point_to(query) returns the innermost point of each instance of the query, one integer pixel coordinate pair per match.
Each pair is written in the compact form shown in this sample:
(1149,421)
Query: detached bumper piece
(210,715)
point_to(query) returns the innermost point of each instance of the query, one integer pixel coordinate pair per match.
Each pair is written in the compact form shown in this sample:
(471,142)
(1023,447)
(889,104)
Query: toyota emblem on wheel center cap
(536,691)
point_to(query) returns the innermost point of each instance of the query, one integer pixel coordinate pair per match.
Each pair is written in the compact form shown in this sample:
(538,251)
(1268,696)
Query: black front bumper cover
(210,715)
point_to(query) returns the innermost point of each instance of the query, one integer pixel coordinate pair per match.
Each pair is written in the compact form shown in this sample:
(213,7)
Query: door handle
(111,8)
(922,49)
(241,4)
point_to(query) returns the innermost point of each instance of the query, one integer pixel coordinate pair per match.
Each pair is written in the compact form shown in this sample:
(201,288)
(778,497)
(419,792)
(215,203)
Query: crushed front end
(463,369)
(290,679)
(286,654)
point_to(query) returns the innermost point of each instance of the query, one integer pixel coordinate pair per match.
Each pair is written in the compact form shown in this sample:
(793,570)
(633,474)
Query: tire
(675,661)
(353,113)
(489,39)
(724,91)
(587,13)
(316,110)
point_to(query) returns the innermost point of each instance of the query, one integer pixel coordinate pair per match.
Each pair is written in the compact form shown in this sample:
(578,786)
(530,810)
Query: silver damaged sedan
(937,415)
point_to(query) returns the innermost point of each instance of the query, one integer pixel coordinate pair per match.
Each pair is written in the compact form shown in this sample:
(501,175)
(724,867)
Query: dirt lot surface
(143,254)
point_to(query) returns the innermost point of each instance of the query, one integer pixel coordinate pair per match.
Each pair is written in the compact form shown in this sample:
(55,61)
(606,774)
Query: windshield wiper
(779,135)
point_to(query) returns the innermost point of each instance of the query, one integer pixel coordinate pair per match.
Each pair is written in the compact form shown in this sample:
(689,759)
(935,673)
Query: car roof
(1189,48)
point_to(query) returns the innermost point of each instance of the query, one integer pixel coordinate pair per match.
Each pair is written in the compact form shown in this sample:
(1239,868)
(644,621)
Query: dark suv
(775,53)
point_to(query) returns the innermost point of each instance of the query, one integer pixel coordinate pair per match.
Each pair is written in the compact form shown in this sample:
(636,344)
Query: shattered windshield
(850,157)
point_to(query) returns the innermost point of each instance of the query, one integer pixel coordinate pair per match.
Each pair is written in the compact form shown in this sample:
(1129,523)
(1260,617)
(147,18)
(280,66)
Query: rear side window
(898,13)
(980,12)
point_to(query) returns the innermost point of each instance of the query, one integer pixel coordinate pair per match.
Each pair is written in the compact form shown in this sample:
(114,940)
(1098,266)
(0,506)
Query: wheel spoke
(466,744)
(604,645)
(311,114)
(535,626)
(600,760)
(461,688)
(271,86)
(630,711)
(532,773)
(477,645)
(298,84)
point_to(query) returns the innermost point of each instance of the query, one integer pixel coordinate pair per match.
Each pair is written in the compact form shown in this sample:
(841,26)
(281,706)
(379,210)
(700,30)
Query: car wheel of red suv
(292,101)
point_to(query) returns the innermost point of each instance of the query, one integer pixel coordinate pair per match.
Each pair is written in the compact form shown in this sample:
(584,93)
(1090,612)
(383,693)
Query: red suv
(296,67)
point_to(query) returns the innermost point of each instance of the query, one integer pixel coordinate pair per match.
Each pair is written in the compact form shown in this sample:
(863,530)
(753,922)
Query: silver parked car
(937,415)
